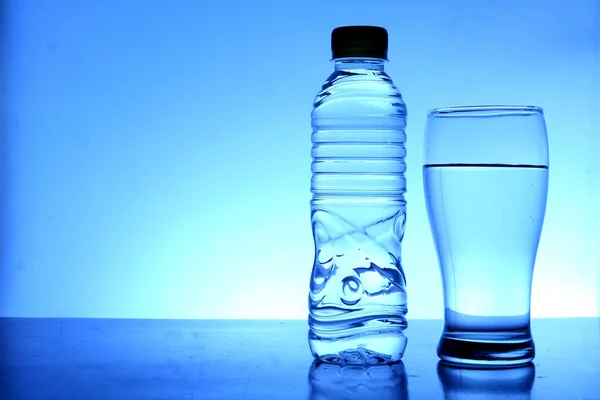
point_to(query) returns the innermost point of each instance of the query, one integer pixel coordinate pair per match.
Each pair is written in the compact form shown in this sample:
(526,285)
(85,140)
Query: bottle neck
(374,64)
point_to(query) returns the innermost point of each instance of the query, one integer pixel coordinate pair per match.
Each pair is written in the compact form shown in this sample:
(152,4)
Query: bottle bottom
(486,350)
(362,349)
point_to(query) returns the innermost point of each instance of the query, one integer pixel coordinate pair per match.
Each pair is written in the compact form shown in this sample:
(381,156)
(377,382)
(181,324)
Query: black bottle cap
(359,41)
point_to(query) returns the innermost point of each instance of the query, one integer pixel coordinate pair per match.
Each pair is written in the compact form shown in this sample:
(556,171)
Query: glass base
(494,350)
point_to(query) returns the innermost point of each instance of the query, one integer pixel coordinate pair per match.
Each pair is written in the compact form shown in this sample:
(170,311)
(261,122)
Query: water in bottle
(357,299)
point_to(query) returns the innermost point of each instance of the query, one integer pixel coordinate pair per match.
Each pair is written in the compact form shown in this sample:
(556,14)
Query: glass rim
(485,111)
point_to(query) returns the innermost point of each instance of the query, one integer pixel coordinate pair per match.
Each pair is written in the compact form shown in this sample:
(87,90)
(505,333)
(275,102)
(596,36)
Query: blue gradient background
(157,154)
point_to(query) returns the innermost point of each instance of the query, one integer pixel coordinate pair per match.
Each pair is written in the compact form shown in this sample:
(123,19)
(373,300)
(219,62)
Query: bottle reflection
(349,382)
(462,383)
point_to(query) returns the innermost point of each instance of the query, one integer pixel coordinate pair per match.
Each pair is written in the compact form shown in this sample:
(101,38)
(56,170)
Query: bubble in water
(321,235)
(392,272)
(320,276)
(325,257)
(368,250)
(351,290)
(336,225)
(319,280)
(353,257)
(373,282)
(399,226)
(314,299)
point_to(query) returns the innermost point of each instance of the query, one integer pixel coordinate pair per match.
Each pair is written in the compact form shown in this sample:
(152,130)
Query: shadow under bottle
(348,382)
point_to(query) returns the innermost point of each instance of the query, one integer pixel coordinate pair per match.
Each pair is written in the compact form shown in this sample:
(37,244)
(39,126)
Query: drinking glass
(486,181)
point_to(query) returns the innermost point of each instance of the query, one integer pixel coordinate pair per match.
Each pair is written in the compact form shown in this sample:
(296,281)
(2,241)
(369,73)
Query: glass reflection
(350,382)
(462,383)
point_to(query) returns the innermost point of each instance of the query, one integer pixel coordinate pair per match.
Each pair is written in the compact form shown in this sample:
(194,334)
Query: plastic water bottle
(357,299)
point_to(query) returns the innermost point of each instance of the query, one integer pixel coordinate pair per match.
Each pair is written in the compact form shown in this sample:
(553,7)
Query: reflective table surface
(191,359)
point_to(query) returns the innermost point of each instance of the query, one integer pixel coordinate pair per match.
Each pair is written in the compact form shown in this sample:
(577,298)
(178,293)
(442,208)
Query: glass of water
(486,182)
